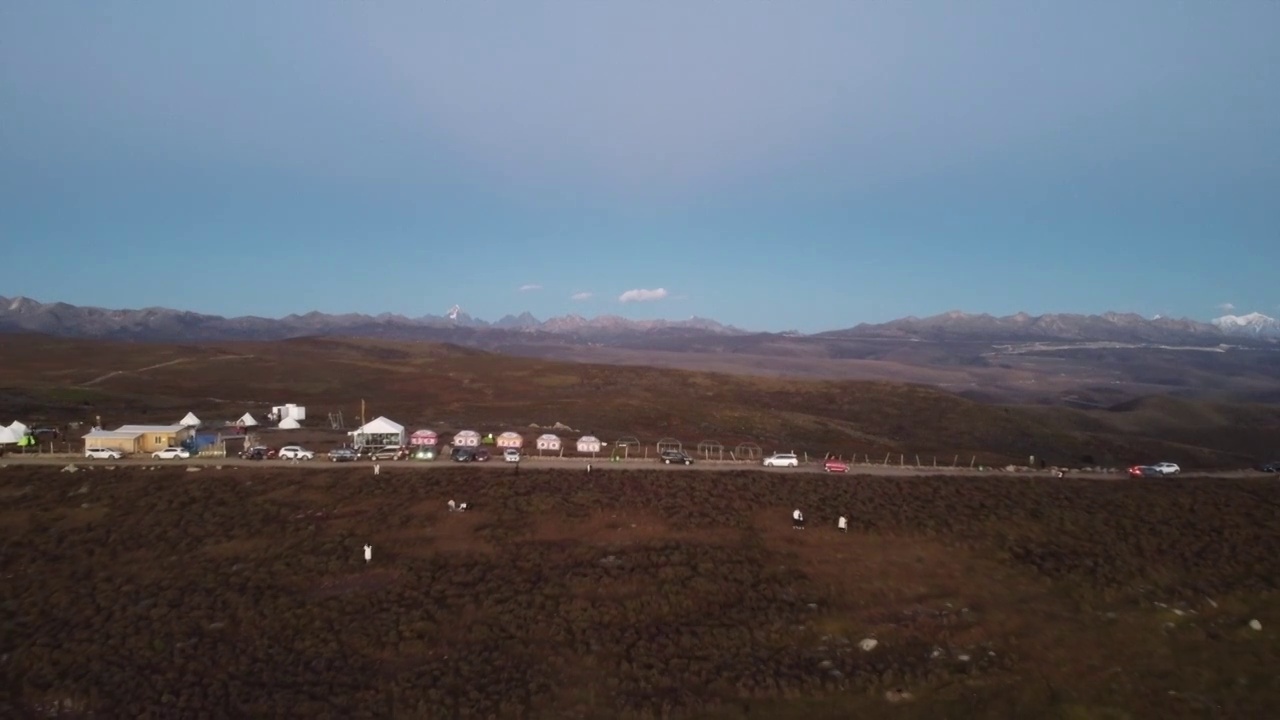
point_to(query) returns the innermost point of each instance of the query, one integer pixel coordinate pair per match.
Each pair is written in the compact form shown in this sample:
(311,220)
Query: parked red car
(835,466)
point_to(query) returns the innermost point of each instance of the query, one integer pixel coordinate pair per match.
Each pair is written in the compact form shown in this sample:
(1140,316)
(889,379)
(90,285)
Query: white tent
(190,420)
(379,431)
(18,428)
(510,439)
(8,436)
(589,444)
(246,420)
(466,438)
(289,424)
(547,441)
(289,410)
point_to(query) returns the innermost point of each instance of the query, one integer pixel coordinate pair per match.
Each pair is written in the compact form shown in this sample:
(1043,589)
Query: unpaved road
(580,465)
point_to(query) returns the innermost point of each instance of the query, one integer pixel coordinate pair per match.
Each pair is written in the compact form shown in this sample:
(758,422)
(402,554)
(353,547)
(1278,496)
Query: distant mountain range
(21,314)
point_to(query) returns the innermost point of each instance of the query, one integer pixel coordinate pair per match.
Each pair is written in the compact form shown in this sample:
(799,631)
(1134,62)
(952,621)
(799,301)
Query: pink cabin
(427,438)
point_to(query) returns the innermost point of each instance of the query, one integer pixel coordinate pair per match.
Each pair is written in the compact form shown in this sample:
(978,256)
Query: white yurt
(8,436)
(466,438)
(510,439)
(18,428)
(588,444)
(547,441)
(289,424)
(246,420)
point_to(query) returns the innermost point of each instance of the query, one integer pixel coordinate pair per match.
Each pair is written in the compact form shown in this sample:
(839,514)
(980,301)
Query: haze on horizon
(769,166)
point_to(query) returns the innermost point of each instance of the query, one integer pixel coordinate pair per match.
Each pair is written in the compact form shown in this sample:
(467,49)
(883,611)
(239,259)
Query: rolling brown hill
(52,380)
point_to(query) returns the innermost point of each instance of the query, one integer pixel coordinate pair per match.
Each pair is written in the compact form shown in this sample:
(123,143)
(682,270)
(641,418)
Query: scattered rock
(936,653)
(868,644)
(898,695)
(963,657)
(71,468)
(84,490)
(610,561)
(194,469)
(825,665)
(1255,625)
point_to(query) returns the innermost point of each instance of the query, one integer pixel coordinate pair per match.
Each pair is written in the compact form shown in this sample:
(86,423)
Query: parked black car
(467,454)
(675,456)
(342,455)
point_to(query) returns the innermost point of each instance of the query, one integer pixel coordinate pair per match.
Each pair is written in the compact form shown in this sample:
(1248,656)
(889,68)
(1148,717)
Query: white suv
(170,453)
(1167,468)
(293,452)
(782,460)
(103,454)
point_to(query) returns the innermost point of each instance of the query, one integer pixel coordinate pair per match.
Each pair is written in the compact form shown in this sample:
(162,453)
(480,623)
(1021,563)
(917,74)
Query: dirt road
(580,465)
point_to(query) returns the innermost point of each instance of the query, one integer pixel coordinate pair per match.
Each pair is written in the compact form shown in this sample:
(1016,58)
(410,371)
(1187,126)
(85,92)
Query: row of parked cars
(169,453)
(668,457)
(376,453)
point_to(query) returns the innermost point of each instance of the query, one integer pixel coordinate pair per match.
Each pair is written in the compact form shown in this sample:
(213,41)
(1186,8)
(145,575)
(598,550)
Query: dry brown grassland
(243,592)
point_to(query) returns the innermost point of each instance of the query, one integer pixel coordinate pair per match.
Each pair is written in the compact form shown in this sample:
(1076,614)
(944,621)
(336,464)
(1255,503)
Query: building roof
(379,426)
(143,429)
(468,433)
(190,420)
(120,434)
(424,433)
(510,434)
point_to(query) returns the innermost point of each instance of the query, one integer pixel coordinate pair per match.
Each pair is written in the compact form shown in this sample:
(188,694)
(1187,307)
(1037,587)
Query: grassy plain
(447,387)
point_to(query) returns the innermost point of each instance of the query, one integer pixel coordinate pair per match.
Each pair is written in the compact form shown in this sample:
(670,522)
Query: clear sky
(773,165)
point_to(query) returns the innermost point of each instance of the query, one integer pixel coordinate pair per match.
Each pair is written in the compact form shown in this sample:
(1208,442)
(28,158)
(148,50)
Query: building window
(158,440)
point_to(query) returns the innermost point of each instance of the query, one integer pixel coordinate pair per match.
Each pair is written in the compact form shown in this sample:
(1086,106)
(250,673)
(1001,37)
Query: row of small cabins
(381,431)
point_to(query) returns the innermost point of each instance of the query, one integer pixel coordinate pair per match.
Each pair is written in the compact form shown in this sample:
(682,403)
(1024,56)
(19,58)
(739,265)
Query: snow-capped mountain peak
(1255,323)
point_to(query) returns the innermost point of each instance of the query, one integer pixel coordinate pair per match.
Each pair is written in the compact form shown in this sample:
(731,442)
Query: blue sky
(772,165)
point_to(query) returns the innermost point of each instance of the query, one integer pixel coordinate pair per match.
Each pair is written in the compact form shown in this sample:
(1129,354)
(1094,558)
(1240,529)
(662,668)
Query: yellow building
(125,442)
(158,437)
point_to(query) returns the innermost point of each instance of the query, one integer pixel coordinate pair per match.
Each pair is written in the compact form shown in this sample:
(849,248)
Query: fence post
(902,460)
(971,461)
(886,458)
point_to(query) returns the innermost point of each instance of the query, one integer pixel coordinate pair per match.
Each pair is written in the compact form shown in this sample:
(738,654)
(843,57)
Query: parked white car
(103,454)
(1167,468)
(294,452)
(511,455)
(782,460)
(170,453)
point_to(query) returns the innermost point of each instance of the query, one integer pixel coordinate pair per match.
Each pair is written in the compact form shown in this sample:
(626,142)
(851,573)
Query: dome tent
(289,424)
